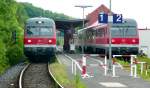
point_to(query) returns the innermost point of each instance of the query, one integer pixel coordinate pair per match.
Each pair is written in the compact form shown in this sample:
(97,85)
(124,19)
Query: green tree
(3,60)
(8,24)
(33,11)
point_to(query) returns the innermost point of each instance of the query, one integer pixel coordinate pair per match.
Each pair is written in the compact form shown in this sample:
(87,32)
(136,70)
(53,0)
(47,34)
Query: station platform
(98,79)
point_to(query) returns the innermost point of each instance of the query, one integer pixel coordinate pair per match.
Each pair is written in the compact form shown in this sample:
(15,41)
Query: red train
(39,39)
(125,38)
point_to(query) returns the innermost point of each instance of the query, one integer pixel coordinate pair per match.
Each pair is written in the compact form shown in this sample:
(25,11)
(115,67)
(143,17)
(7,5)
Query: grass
(141,59)
(144,59)
(59,72)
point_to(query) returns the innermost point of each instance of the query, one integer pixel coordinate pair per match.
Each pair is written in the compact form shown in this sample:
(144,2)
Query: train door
(73,42)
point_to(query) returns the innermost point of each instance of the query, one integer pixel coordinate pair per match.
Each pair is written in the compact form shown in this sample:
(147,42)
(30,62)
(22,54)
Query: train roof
(126,23)
(43,20)
(99,25)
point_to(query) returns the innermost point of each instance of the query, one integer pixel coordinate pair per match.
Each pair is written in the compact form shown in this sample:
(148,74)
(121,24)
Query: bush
(14,54)
(58,42)
(3,59)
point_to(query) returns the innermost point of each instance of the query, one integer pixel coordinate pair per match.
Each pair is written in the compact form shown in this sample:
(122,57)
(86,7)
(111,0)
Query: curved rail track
(35,75)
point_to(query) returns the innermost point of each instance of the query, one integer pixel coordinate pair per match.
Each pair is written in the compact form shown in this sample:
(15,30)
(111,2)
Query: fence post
(105,65)
(114,73)
(131,66)
(146,68)
(141,68)
(72,67)
(75,69)
(135,71)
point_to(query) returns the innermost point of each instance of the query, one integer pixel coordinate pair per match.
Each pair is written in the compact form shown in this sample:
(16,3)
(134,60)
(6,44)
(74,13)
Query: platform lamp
(83,8)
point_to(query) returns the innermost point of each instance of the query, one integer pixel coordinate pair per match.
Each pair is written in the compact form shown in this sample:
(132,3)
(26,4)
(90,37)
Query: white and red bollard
(84,68)
(83,65)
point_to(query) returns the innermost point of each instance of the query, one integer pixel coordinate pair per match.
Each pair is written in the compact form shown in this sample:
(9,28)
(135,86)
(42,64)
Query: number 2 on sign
(119,17)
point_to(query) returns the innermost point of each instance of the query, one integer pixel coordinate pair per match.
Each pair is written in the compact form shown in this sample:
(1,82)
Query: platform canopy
(67,24)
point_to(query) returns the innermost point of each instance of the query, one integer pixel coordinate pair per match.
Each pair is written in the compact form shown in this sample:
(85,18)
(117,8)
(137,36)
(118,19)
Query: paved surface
(101,81)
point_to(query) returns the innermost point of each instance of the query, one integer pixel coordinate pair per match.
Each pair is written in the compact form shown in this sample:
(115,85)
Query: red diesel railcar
(39,39)
(124,38)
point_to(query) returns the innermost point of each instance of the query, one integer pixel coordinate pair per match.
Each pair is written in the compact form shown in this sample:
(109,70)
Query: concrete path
(100,80)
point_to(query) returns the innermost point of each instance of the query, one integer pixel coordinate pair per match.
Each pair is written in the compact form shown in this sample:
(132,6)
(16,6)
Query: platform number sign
(103,18)
(117,18)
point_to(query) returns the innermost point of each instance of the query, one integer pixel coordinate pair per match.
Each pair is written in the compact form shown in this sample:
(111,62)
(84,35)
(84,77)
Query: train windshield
(124,31)
(39,31)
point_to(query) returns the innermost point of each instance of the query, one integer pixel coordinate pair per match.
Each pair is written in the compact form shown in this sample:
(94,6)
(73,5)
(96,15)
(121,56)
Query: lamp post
(83,8)
(110,47)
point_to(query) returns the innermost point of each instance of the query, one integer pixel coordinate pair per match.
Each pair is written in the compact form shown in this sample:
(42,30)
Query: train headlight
(112,40)
(133,41)
(39,22)
(29,41)
(50,41)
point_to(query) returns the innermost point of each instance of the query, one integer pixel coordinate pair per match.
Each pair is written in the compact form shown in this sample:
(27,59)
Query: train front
(125,38)
(39,39)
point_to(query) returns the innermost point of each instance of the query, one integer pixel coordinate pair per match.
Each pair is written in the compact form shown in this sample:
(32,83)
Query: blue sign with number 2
(117,18)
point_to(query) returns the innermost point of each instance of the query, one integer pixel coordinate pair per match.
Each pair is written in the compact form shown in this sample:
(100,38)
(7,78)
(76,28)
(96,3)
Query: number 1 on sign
(101,17)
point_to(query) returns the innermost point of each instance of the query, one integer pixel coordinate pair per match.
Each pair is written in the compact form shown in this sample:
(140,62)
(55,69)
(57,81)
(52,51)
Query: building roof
(93,16)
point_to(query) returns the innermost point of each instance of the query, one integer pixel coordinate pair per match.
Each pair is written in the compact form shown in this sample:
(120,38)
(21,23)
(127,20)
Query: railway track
(36,75)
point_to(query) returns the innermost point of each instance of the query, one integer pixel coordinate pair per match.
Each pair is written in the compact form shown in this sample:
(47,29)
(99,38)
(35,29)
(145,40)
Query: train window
(39,31)
(117,32)
(88,34)
(100,33)
(123,31)
(131,31)
(32,31)
(46,31)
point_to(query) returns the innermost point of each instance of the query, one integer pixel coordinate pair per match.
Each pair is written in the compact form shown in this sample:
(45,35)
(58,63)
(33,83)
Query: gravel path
(10,78)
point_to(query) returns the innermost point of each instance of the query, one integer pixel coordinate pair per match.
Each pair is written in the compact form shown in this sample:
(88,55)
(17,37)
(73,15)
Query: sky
(136,9)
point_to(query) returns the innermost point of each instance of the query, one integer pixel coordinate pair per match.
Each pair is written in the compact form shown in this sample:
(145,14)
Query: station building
(144,34)
(68,27)
(144,41)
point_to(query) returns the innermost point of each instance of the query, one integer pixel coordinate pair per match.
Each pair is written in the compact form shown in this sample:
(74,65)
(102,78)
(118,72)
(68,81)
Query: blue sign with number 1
(103,18)
(117,18)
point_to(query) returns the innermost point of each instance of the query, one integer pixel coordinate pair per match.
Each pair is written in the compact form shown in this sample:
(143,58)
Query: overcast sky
(136,9)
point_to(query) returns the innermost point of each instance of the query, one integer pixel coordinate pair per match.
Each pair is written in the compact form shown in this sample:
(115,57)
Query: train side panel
(125,38)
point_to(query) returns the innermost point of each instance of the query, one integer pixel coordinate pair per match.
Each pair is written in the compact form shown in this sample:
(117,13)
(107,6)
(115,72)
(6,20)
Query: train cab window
(46,31)
(32,31)
(123,31)
(39,31)
(29,32)
(116,32)
(131,31)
